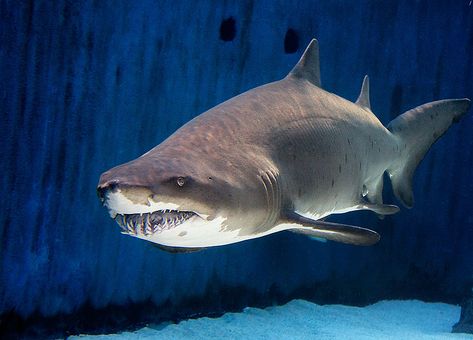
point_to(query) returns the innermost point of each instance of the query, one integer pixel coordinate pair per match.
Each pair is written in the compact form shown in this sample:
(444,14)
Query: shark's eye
(181,181)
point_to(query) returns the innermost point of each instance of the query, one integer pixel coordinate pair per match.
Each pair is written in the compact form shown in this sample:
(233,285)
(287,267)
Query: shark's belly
(204,235)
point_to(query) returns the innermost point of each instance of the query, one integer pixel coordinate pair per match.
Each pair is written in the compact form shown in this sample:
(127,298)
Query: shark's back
(330,154)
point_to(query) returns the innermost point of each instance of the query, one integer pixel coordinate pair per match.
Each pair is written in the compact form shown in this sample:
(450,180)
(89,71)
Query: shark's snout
(138,210)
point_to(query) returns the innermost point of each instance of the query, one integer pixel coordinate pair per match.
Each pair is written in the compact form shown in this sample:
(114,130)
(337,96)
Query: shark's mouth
(153,222)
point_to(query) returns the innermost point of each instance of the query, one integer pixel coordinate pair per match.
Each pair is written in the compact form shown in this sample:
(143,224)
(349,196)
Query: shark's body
(279,157)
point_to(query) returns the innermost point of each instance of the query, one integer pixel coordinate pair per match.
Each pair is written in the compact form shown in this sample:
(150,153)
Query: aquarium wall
(87,85)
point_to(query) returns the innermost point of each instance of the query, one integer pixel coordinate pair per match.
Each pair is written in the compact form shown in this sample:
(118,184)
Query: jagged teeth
(130,228)
(148,229)
(128,223)
(150,223)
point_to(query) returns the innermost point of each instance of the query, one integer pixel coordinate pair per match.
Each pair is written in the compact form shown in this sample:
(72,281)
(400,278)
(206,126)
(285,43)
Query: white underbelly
(202,233)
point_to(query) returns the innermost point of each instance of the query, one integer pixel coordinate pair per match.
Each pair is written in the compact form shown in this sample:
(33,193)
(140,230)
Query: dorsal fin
(308,66)
(364,97)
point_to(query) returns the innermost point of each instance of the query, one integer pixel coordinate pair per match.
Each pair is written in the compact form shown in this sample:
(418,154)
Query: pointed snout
(131,174)
(129,179)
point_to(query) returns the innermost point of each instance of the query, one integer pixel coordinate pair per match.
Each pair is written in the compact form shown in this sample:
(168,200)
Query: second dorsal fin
(308,66)
(364,97)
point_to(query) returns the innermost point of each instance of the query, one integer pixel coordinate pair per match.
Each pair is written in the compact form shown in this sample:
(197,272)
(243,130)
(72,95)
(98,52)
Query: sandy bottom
(300,319)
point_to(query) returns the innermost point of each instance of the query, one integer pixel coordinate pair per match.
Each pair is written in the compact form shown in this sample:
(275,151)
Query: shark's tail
(416,130)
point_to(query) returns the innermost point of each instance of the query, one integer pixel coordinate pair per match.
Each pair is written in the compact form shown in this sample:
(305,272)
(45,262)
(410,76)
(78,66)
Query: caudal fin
(416,130)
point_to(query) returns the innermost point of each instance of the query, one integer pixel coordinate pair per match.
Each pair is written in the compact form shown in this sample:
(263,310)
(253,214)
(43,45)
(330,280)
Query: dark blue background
(87,85)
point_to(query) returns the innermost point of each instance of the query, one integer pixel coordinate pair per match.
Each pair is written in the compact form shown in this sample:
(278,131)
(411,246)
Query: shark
(282,156)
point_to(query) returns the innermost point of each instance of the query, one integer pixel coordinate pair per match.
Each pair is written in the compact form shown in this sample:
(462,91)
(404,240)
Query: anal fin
(337,232)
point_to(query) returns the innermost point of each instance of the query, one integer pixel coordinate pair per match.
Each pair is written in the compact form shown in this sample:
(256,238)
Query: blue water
(87,85)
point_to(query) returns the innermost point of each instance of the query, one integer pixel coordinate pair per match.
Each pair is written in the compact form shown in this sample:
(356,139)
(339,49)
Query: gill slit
(273,198)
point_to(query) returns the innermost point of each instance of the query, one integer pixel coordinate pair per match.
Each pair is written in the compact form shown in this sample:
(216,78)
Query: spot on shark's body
(270,160)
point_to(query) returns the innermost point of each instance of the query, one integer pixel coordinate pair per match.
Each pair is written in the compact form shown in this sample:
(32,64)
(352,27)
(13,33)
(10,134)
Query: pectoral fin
(380,209)
(331,231)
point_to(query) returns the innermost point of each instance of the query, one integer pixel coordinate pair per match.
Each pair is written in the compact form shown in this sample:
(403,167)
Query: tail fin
(416,130)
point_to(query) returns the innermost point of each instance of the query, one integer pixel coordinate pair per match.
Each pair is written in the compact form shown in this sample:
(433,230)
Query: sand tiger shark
(282,156)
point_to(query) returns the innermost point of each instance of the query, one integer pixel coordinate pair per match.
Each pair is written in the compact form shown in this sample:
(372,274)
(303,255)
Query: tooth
(145,224)
(129,223)
(119,220)
(122,225)
(138,224)
(148,229)
(130,228)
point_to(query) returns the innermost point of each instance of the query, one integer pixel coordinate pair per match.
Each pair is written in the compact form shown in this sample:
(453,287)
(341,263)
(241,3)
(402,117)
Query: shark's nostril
(112,186)
(102,189)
